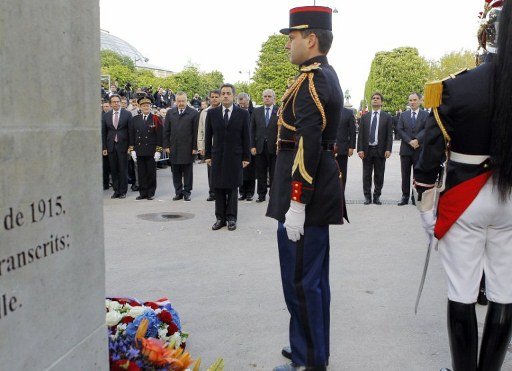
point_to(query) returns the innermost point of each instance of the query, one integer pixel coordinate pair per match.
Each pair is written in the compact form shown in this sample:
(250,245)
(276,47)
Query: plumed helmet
(489,21)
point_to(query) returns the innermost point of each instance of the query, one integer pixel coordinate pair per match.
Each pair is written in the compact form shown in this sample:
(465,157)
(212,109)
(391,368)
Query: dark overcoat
(227,146)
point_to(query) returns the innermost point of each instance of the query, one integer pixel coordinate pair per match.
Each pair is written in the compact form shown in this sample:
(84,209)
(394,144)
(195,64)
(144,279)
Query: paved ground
(227,290)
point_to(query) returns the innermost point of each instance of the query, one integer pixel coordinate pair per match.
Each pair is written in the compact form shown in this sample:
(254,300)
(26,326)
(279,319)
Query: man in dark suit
(247,189)
(374,145)
(263,141)
(146,147)
(105,107)
(227,152)
(180,142)
(115,138)
(411,126)
(345,141)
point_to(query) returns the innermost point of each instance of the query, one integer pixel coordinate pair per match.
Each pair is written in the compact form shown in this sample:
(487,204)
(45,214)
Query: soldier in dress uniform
(306,195)
(146,147)
(470,125)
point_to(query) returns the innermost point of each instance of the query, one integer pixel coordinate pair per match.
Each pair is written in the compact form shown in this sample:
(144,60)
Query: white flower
(112,305)
(113,317)
(177,338)
(162,333)
(136,311)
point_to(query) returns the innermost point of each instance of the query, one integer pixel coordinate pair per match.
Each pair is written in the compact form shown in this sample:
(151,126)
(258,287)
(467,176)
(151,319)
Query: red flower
(488,1)
(497,4)
(165,317)
(124,365)
(127,319)
(172,329)
(152,305)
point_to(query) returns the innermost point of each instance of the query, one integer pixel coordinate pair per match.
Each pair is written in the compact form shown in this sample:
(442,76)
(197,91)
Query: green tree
(273,69)
(395,74)
(451,63)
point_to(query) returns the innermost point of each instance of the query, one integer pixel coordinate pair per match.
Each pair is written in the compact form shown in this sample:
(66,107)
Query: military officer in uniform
(470,125)
(306,195)
(146,147)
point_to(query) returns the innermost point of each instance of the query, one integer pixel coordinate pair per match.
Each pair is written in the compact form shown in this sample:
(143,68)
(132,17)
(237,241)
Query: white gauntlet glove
(294,220)
(157,156)
(428,222)
(134,156)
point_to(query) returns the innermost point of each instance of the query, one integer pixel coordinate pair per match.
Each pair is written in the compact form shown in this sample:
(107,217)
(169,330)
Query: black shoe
(115,195)
(231,225)
(376,201)
(249,198)
(122,195)
(177,197)
(186,198)
(140,197)
(241,198)
(367,201)
(218,225)
(287,352)
(105,187)
(261,199)
(403,201)
(210,198)
(150,197)
(135,188)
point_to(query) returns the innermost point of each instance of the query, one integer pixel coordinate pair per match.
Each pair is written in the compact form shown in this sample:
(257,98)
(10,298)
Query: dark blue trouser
(305,278)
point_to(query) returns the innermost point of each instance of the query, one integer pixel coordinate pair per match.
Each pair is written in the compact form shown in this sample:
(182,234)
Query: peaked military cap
(305,17)
(144,99)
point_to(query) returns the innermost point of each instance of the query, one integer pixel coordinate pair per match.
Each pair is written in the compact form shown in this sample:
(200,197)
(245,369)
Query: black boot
(496,337)
(463,335)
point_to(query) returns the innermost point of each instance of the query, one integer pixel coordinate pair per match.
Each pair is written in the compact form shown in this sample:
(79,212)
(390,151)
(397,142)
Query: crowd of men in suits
(168,128)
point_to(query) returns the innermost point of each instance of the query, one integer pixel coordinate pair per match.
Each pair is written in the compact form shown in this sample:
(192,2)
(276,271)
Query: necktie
(116,122)
(116,119)
(226,117)
(413,120)
(267,116)
(181,112)
(373,128)
(145,117)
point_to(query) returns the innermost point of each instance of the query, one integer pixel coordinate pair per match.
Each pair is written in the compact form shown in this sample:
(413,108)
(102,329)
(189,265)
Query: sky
(227,35)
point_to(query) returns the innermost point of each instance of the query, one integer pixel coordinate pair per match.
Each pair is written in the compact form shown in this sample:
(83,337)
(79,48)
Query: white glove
(134,155)
(428,222)
(294,220)
(157,156)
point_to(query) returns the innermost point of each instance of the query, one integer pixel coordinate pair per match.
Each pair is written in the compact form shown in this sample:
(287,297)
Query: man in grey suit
(411,126)
(374,145)
(180,142)
(263,141)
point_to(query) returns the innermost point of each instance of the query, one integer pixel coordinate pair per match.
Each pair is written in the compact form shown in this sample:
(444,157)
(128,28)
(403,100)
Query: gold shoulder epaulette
(311,67)
(434,90)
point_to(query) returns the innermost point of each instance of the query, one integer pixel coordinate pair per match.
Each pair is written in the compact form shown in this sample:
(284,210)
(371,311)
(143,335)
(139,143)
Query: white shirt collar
(417,111)
(230,108)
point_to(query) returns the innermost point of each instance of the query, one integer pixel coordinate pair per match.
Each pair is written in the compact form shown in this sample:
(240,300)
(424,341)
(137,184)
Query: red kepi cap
(305,17)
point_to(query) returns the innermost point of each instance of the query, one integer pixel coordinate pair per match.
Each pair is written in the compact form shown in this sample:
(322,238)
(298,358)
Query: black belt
(290,145)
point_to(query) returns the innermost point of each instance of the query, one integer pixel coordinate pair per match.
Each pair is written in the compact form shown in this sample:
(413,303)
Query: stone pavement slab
(226,285)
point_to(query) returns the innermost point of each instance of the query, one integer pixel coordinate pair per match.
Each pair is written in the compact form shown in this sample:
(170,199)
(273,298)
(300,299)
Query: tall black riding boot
(496,337)
(463,335)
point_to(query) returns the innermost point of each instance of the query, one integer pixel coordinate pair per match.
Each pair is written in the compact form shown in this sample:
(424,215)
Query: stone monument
(52,270)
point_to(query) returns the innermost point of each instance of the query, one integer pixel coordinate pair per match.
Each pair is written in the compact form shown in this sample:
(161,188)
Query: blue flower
(152,331)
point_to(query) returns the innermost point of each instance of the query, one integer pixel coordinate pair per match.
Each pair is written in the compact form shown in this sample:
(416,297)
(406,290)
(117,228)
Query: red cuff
(296,191)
